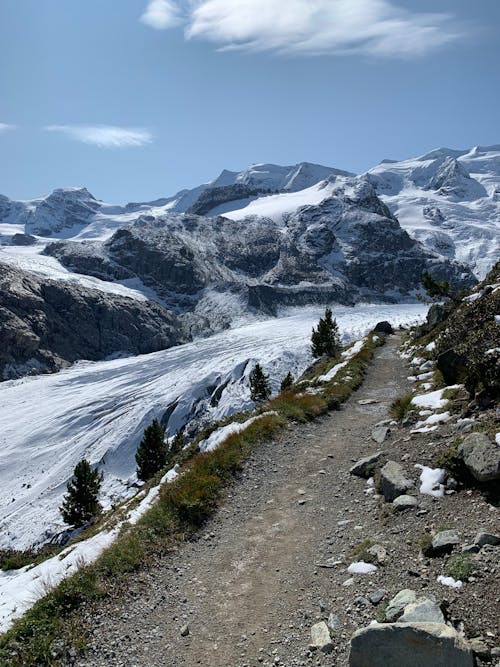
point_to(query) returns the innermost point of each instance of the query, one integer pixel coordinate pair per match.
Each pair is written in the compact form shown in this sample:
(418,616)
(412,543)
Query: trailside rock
(402,503)
(422,611)
(444,541)
(384,327)
(365,467)
(398,603)
(320,638)
(487,538)
(379,434)
(409,645)
(393,482)
(481,456)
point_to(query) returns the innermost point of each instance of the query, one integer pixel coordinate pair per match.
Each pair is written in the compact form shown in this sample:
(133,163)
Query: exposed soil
(253,584)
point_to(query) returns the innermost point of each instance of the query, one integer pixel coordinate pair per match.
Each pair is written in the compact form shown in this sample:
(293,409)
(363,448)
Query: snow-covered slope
(449,200)
(99,410)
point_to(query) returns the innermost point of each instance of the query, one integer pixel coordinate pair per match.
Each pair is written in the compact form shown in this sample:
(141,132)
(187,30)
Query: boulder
(444,541)
(378,553)
(422,611)
(365,467)
(409,645)
(398,603)
(453,366)
(487,538)
(384,328)
(320,638)
(481,457)
(402,503)
(393,482)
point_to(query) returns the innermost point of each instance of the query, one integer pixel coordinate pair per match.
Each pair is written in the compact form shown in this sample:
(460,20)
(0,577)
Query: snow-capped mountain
(449,200)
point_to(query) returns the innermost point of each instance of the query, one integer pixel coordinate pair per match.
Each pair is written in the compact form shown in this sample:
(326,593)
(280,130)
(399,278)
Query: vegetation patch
(401,407)
(460,567)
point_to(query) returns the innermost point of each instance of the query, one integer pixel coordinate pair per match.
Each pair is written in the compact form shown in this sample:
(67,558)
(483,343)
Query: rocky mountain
(47,324)
(347,248)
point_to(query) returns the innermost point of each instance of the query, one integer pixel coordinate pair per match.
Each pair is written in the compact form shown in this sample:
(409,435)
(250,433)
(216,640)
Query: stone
(405,503)
(480,648)
(384,328)
(185,630)
(471,549)
(453,366)
(482,539)
(422,611)
(409,645)
(379,434)
(378,552)
(398,603)
(393,482)
(365,467)
(481,457)
(444,541)
(375,597)
(320,638)
(334,622)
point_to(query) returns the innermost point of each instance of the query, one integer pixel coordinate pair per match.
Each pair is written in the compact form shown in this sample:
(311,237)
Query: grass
(425,543)
(401,407)
(10,559)
(361,553)
(451,461)
(460,567)
(183,506)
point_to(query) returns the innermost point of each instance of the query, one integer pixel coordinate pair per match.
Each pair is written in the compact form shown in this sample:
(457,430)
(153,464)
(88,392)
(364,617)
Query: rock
(405,503)
(422,611)
(444,541)
(365,467)
(470,549)
(409,645)
(398,603)
(393,482)
(384,328)
(378,552)
(379,434)
(438,313)
(185,630)
(334,622)
(320,638)
(481,456)
(480,648)
(487,538)
(375,597)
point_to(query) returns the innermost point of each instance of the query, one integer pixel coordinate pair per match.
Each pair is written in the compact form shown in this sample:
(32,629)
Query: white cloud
(105,136)
(161,14)
(5,127)
(314,27)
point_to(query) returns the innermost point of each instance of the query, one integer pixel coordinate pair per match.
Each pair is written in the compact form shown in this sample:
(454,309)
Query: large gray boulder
(481,457)
(399,602)
(422,611)
(409,645)
(393,481)
(444,542)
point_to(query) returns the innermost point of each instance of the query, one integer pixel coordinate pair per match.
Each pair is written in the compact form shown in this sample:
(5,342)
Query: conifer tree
(325,339)
(287,382)
(81,504)
(436,288)
(152,453)
(260,389)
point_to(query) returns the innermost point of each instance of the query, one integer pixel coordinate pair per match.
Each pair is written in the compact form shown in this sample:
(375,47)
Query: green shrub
(460,567)
(401,407)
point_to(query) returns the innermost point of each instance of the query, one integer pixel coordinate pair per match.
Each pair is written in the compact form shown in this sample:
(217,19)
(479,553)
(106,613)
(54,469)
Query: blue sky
(136,100)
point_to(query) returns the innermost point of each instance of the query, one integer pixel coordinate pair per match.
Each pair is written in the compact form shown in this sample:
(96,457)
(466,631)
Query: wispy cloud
(5,127)
(309,27)
(162,14)
(105,136)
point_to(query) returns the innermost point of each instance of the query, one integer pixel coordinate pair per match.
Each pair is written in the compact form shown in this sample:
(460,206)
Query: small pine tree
(325,339)
(152,453)
(287,382)
(80,504)
(260,390)
(436,288)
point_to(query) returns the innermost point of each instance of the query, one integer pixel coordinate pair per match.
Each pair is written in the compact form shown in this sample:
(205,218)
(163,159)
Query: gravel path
(253,584)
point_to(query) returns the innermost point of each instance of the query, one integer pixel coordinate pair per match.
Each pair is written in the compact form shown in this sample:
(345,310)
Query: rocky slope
(46,324)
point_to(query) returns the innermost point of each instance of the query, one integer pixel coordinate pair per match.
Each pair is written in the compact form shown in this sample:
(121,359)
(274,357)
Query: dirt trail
(251,587)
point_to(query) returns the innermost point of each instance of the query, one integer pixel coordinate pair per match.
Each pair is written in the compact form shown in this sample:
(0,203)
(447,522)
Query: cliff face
(46,324)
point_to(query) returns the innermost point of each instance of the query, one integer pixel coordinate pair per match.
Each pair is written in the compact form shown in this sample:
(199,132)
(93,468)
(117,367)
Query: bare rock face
(46,324)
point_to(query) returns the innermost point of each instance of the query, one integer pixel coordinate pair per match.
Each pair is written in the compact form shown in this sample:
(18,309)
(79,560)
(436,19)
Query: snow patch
(432,481)
(449,581)
(361,568)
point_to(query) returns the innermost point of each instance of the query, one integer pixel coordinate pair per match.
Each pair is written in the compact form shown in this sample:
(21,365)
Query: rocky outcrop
(64,208)
(46,324)
(481,457)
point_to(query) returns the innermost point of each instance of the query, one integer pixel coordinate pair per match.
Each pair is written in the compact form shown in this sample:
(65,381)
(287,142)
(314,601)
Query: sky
(137,99)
